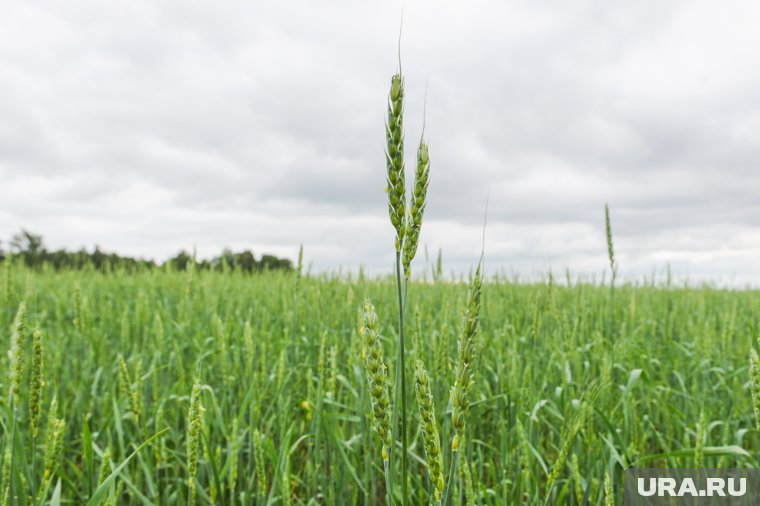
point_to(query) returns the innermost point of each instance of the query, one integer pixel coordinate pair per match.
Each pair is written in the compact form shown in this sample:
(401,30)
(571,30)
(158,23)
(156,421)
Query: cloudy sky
(148,127)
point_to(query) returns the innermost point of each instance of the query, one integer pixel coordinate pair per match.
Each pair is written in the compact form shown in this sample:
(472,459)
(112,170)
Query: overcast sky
(148,127)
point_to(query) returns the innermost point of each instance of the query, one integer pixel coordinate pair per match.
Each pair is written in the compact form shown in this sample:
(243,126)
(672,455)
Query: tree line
(30,249)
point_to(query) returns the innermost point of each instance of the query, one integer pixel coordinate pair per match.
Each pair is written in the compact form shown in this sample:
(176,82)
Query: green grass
(295,376)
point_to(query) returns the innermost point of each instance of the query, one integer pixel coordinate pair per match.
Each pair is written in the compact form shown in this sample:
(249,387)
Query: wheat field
(254,385)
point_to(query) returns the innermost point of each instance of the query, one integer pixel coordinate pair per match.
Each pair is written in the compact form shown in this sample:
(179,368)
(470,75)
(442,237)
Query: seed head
(754,370)
(377,377)
(54,441)
(18,336)
(35,383)
(195,423)
(463,382)
(417,209)
(394,158)
(429,428)
(258,456)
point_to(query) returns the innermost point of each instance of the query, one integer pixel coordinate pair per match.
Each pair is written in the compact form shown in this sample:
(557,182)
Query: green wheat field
(283,408)
(166,386)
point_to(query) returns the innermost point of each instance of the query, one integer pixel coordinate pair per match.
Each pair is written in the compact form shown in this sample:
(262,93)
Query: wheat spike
(377,377)
(394,158)
(429,426)
(463,383)
(417,208)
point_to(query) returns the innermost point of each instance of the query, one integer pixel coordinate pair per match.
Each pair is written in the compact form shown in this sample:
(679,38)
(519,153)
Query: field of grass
(281,411)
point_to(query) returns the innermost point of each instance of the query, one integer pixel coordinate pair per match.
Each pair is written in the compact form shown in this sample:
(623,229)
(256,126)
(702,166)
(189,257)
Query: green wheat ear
(258,458)
(429,427)
(56,428)
(377,377)
(35,383)
(195,423)
(463,383)
(417,209)
(394,158)
(610,248)
(609,495)
(754,372)
(18,337)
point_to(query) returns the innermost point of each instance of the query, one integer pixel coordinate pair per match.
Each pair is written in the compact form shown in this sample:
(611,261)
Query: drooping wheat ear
(258,456)
(18,336)
(429,427)
(54,441)
(35,383)
(464,374)
(377,377)
(417,209)
(394,159)
(754,371)
(609,498)
(195,423)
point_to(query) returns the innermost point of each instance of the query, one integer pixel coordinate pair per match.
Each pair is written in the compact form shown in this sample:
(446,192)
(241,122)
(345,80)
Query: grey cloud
(149,127)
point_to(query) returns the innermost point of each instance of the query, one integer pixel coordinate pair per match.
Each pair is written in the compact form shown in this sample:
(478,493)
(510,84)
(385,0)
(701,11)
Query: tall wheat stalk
(613,264)
(407,223)
(396,188)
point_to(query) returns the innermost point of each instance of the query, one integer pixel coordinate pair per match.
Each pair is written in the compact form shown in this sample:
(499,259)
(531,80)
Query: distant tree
(26,242)
(181,261)
(31,249)
(246,261)
(270,263)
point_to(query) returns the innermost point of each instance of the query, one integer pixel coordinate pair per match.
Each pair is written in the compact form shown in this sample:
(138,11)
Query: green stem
(388,487)
(452,474)
(402,373)
(612,303)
